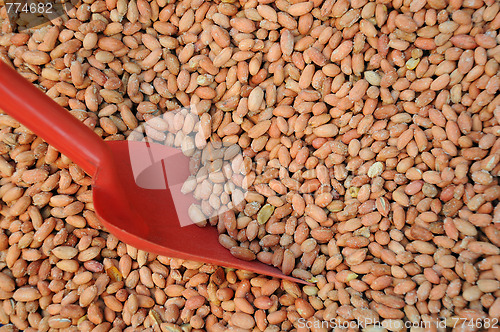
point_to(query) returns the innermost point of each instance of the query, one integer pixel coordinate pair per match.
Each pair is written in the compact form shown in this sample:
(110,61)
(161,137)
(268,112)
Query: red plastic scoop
(144,218)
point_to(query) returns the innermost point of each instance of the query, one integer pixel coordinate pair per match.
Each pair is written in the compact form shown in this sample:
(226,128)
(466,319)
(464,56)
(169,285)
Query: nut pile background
(370,133)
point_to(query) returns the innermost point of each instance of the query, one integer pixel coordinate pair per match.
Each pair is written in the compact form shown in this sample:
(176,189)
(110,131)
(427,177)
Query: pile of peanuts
(370,154)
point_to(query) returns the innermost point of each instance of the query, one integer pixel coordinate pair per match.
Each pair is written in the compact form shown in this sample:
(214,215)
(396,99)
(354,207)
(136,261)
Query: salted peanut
(304,308)
(20,206)
(358,90)
(242,24)
(341,51)
(259,129)
(68,265)
(463,41)
(255,99)
(112,303)
(242,320)
(26,294)
(36,57)
(7,284)
(362,152)
(406,23)
(316,56)
(242,253)
(484,248)
(265,213)
(322,234)
(316,213)
(65,252)
(300,9)
(67,47)
(326,130)
(487,285)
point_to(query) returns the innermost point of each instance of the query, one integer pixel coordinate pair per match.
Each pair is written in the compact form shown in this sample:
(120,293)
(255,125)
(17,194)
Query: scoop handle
(34,109)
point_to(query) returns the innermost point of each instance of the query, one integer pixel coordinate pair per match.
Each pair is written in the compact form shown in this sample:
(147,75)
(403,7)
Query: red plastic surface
(145,218)
(164,234)
(45,117)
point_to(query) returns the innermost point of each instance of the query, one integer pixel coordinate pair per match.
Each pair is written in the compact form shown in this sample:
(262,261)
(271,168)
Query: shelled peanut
(369,161)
